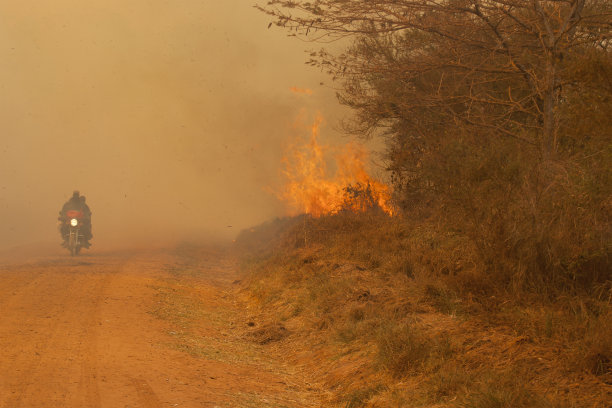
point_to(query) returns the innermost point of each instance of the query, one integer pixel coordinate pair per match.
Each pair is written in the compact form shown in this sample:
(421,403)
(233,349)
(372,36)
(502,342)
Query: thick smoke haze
(169,116)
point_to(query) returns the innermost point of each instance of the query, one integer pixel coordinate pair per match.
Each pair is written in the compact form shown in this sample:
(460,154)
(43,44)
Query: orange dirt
(112,330)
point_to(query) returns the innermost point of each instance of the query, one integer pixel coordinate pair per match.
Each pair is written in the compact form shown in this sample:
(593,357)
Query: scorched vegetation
(489,284)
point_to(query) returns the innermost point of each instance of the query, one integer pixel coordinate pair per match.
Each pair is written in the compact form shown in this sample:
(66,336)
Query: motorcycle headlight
(74,222)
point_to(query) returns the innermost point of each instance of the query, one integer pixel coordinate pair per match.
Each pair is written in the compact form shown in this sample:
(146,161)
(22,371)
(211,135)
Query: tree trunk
(549,112)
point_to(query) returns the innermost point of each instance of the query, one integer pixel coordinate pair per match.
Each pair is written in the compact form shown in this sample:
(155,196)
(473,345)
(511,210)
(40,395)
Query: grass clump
(502,390)
(448,382)
(594,351)
(443,300)
(359,398)
(405,350)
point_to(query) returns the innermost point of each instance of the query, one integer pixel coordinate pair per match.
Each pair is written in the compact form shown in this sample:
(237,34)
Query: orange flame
(309,189)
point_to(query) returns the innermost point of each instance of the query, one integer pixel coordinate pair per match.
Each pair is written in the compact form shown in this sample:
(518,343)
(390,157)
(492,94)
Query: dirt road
(146,329)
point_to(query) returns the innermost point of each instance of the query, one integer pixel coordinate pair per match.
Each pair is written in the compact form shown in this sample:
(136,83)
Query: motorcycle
(74,239)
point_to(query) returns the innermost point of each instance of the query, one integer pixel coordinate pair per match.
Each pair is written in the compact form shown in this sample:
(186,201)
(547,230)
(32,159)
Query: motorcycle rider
(76,203)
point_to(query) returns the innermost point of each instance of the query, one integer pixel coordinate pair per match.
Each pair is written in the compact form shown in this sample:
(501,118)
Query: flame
(310,189)
(297,90)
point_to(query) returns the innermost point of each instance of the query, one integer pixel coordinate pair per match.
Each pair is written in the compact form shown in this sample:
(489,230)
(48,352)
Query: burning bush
(360,197)
(311,189)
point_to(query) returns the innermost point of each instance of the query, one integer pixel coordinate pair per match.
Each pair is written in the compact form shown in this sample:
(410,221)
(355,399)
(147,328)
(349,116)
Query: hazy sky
(170,116)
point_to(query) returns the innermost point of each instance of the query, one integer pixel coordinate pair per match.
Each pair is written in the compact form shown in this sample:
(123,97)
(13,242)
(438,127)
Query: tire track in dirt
(63,336)
(24,362)
(146,396)
(89,349)
(84,334)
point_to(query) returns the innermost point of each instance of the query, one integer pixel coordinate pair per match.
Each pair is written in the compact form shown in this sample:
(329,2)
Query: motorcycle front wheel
(72,245)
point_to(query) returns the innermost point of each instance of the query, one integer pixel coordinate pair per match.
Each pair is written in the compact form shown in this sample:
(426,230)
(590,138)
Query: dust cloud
(169,116)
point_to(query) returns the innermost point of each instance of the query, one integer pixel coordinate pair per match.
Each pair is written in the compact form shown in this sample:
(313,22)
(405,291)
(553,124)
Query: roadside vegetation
(491,284)
(389,312)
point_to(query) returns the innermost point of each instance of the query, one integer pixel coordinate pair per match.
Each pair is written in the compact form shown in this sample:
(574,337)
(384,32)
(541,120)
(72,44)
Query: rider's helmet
(75,194)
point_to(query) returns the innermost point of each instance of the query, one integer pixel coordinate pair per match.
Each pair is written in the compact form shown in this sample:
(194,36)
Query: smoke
(168,116)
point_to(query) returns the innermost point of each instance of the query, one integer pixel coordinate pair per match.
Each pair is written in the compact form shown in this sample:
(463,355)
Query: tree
(494,64)
(497,115)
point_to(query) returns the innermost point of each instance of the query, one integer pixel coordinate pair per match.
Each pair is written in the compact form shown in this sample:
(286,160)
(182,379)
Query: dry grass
(400,315)
(269,333)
